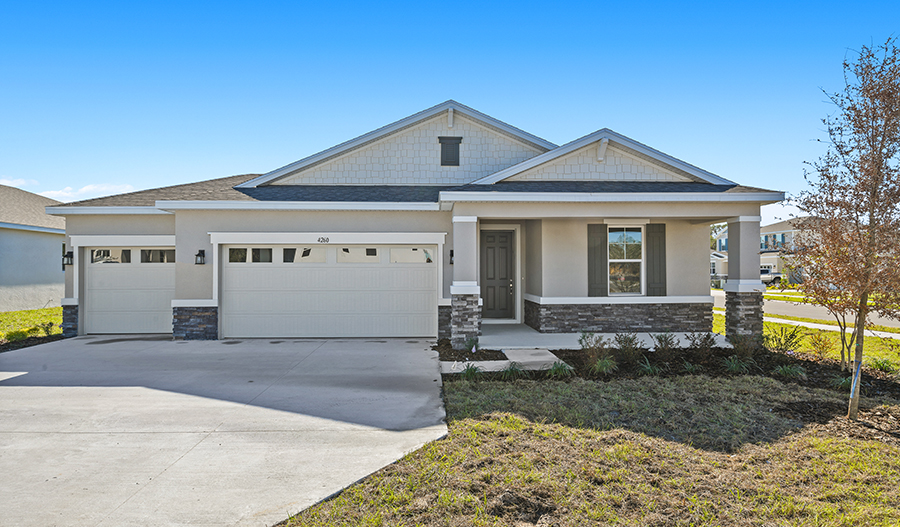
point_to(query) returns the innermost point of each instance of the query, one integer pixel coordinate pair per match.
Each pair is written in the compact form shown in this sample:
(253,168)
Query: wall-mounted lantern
(200,257)
(67,259)
(451,256)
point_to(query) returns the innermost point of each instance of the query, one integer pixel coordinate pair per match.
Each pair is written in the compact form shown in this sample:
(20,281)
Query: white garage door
(329,291)
(129,290)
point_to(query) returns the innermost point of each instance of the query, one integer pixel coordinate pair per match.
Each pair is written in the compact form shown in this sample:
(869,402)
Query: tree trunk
(861,316)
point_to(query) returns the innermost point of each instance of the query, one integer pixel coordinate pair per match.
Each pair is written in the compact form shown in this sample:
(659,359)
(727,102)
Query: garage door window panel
(357,255)
(237,255)
(261,255)
(304,255)
(110,256)
(413,255)
(157,255)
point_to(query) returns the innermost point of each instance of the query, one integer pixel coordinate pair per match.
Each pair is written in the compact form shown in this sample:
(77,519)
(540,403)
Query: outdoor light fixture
(451,256)
(67,259)
(200,257)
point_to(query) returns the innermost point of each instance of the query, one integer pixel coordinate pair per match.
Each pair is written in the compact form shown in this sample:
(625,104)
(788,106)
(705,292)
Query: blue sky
(99,98)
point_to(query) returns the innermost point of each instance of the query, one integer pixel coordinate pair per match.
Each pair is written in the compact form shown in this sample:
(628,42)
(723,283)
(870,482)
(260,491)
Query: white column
(465,256)
(743,255)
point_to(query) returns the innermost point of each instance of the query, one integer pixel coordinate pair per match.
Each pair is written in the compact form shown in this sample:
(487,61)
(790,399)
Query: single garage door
(329,291)
(129,290)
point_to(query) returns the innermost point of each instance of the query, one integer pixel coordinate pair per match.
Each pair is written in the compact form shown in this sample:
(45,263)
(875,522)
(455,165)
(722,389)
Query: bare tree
(849,252)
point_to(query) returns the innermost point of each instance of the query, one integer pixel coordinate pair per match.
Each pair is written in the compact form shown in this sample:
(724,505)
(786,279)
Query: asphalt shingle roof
(222,190)
(25,208)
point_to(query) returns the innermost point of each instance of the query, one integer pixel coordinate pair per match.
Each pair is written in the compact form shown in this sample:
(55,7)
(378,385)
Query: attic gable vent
(450,151)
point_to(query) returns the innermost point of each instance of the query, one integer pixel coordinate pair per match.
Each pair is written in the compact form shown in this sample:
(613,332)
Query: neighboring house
(427,227)
(31,242)
(776,242)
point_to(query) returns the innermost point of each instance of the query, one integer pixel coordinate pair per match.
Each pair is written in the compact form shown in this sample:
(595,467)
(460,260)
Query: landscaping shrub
(882,364)
(784,339)
(560,370)
(666,346)
(791,371)
(734,364)
(819,344)
(645,368)
(471,373)
(512,372)
(604,366)
(595,347)
(628,350)
(692,369)
(701,344)
(746,347)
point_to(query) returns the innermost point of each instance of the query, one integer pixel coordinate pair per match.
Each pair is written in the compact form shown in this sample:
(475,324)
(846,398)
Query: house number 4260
(323,239)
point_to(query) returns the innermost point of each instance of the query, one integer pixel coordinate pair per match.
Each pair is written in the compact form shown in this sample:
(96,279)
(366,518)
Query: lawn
(686,450)
(875,348)
(11,321)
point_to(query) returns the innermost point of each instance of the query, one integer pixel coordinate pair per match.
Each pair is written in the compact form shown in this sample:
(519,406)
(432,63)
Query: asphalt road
(777,307)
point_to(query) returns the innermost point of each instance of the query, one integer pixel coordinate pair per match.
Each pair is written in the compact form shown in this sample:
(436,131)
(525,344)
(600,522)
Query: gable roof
(376,135)
(618,141)
(22,208)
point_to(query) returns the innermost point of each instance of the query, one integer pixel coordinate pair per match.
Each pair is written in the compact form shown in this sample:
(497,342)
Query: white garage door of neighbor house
(129,290)
(329,291)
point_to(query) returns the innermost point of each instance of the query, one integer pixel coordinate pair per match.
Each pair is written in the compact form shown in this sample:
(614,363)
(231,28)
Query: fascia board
(64,211)
(327,238)
(34,228)
(611,197)
(604,133)
(296,205)
(389,129)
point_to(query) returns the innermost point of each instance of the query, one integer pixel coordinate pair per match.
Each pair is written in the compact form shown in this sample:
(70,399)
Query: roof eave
(764,198)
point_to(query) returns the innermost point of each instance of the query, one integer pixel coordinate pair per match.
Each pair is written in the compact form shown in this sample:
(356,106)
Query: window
(113,256)
(712,268)
(237,255)
(304,255)
(411,255)
(763,241)
(157,255)
(261,255)
(723,244)
(625,260)
(357,255)
(450,151)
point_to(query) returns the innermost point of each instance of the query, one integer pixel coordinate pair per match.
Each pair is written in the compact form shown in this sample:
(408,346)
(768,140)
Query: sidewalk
(826,327)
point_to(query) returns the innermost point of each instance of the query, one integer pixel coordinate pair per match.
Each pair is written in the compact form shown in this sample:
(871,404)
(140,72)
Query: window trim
(643,260)
(448,145)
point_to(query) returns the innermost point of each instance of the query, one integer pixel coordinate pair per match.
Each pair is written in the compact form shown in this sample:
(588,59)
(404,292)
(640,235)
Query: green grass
(676,451)
(874,347)
(887,329)
(24,320)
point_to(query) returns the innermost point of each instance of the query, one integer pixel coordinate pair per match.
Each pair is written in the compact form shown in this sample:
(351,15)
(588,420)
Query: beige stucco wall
(112,224)
(195,281)
(582,165)
(413,156)
(31,275)
(533,257)
(564,255)
(700,212)
(687,258)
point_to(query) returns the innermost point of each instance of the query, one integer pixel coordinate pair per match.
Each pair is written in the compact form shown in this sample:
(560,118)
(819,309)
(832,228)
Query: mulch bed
(447,353)
(820,373)
(30,341)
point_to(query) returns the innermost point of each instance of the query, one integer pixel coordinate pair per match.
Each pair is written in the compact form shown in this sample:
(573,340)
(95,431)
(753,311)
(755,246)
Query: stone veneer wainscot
(617,318)
(465,320)
(195,323)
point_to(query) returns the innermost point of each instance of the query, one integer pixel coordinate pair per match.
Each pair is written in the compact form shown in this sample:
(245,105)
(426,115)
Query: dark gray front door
(497,271)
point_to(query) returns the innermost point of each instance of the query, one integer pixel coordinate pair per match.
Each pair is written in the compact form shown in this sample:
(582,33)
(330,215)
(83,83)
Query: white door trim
(516,228)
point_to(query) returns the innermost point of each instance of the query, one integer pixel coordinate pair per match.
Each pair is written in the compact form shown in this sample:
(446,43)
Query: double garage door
(329,291)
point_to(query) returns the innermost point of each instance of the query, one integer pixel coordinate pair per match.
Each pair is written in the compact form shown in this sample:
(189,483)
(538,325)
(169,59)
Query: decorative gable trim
(408,122)
(619,142)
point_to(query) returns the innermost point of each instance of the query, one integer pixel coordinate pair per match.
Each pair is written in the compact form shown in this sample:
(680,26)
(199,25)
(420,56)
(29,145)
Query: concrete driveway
(122,431)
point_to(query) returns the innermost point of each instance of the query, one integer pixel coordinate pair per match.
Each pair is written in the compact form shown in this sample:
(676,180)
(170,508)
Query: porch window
(625,260)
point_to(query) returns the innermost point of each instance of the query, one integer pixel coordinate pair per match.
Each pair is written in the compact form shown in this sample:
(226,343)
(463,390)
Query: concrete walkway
(122,431)
(527,359)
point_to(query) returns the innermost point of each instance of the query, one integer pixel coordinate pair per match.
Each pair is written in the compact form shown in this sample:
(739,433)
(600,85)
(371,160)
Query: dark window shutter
(449,151)
(656,259)
(598,270)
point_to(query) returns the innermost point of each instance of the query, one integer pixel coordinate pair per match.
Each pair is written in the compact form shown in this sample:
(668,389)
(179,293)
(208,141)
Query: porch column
(743,289)
(465,316)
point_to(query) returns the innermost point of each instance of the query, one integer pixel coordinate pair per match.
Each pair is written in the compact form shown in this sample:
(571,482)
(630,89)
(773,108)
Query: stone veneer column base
(70,321)
(465,320)
(195,323)
(743,313)
(618,318)
(445,314)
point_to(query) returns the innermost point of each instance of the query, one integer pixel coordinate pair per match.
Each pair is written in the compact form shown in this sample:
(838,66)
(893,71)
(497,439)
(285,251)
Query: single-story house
(31,244)
(428,227)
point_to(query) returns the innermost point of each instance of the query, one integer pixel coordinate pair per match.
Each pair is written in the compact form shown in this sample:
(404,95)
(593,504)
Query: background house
(776,241)
(31,241)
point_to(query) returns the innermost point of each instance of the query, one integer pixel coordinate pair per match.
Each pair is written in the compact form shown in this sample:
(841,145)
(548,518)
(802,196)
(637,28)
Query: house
(31,243)
(430,226)
(776,242)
